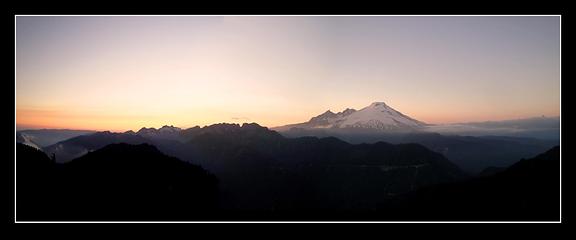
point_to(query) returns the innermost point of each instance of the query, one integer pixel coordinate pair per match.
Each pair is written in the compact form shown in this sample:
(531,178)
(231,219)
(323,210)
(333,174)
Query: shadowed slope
(117,182)
(528,190)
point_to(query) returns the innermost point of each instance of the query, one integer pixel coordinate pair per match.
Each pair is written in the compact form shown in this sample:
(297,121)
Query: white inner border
(15,83)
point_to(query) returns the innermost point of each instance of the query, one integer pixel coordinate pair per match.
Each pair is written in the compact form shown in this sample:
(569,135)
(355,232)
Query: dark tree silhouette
(117,182)
(528,190)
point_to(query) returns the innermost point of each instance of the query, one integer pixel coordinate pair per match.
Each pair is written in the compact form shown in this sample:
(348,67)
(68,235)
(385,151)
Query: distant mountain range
(163,133)
(372,163)
(471,154)
(248,155)
(499,148)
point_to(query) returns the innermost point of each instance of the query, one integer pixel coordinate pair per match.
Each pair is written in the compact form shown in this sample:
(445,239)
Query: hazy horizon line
(24,127)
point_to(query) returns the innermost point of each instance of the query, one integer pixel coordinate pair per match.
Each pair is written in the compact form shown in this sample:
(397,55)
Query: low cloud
(540,127)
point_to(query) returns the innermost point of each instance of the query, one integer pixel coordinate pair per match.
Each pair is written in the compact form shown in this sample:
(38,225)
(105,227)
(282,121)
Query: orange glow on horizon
(125,73)
(34,119)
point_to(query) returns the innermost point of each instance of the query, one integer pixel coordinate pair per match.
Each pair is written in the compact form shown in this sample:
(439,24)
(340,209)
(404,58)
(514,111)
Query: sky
(126,72)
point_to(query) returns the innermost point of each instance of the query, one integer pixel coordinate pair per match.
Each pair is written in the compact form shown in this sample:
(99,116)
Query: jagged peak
(251,125)
(146,129)
(163,129)
(104,133)
(327,114)
(169,128)
(223,125)
(233,126)
(348,111)
(378,104)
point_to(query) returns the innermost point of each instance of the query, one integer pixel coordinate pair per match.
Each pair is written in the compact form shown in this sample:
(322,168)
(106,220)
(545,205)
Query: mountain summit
(377,116)
(165,132)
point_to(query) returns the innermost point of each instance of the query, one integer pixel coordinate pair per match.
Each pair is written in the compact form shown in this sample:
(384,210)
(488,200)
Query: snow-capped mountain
(377,116)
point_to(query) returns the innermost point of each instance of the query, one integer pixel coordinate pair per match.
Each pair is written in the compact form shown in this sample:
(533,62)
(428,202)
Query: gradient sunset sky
(127,72)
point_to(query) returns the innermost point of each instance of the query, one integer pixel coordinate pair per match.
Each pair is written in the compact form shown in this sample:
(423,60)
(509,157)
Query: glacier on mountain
(377,116)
